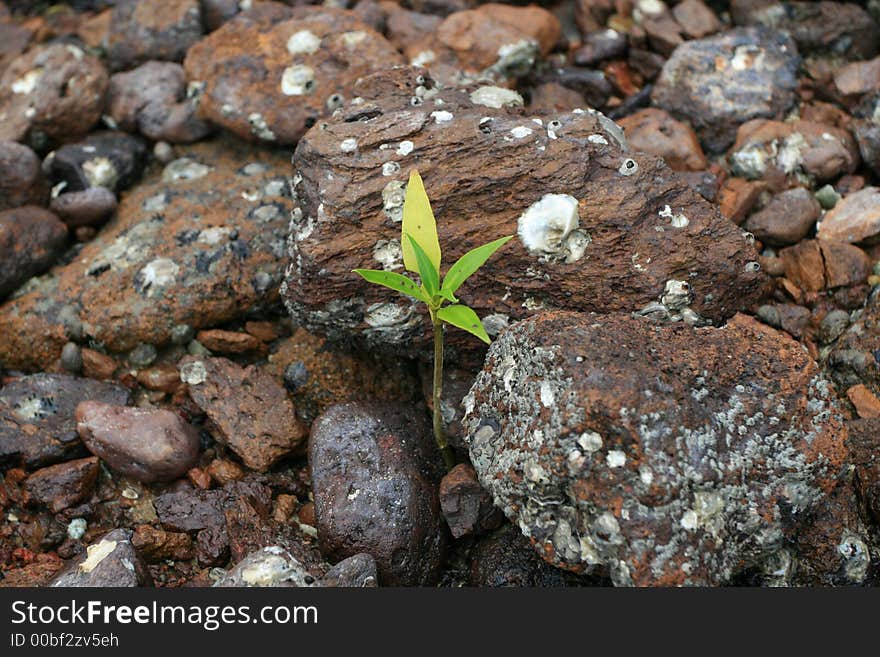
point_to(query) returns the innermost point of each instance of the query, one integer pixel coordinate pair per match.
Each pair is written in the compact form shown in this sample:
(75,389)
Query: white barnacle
(547,396)
(259,127)
(441,116)
(597,139)
(496,97)
(405,148)
(520,132)
(348,145)
(549,227)
(297,80)
(615,458)
(27,82)
(303,42)
(100,172)
(590,441)
(424,57)
(675,220)
(390,168)
(157,274)
(352,39)
(388,253)
(628,167)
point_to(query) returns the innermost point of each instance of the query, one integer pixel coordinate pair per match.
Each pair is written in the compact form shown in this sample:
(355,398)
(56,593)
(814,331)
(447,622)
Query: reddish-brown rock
(157,545)
(56,90)
(229,342)
(865,402)
(21,181)
(148,444)
(738,196)
(696,19)
(671,455)
(62,485)
(654,131)
(197,243)
(815,265)
(787,218)
(599,228)
(779,152)
(248,410)
(467,508)
(272,72)
(854,219)
(858,77)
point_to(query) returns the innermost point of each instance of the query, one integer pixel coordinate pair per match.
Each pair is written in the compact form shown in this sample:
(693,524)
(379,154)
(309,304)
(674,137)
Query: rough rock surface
(37,423)
(153,100)
(54,91)
(719,82)
(272,72)
(141,30)
(197,243)
(31,239)
(21,181)
(375,473)
(110,562)
(247,409)
(148,444)
(854,219)
(64,484)
(668,454)
(615,229)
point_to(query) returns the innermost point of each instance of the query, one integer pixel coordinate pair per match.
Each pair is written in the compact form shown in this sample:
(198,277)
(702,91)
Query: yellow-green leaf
(394,281)
(418,221)
(464,318)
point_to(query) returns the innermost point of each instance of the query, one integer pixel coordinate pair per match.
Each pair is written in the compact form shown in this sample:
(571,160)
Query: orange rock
(866,402)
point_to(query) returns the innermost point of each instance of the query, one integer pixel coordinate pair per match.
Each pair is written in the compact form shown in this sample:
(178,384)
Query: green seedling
(421,255)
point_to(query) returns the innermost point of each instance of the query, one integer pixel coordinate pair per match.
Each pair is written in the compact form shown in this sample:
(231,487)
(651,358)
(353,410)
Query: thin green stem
(439,431)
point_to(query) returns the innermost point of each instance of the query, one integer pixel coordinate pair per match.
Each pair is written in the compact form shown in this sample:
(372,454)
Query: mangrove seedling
(421,255)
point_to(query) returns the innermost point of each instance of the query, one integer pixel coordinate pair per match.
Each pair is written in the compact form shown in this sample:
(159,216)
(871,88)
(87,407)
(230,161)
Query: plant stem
(439,432)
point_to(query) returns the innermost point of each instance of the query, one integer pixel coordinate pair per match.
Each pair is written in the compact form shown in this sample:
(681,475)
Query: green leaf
(394,281)
(418,221)
(464,318)
(468,264)
(430,275)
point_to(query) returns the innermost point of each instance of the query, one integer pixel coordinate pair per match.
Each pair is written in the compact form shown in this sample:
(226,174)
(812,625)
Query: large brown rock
(21,181)
(272,72)
(64,484)
(599,229)
(31,239)
(855,218)
(654,131)
(141,30)
(56,91)
(667,454)
(197,243)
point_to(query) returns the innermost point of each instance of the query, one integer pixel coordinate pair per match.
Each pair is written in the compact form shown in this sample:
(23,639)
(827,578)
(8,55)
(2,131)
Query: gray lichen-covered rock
(270,566)
(720,82)
(110,562)
(599,228)
(37,422)
(667,454)
(197,243)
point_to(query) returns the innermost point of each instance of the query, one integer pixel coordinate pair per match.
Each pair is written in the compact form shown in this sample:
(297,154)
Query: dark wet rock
(88,207)
(654,131)
(37,424)
(456,384)
(147,444)
(217,12)
(193,510)
(833,325)
(248,410)
(827,28)
(863,444)
(54,91)
(854,219)
(666,453)
(21,180)
(141,30)
(719,82)
(467,508)
(853,360)
(789,317)
(375,473)
(31,239)
(63,485)
(317,374)
(156,545)
(272,72)
(607,228)
(111,561)
(867,134)
(600,46)
(212,546)
(787,218)
(113,160)
(786,153)
(197,243)
(153,99)
(505,559)
(270,566)
(358,571)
